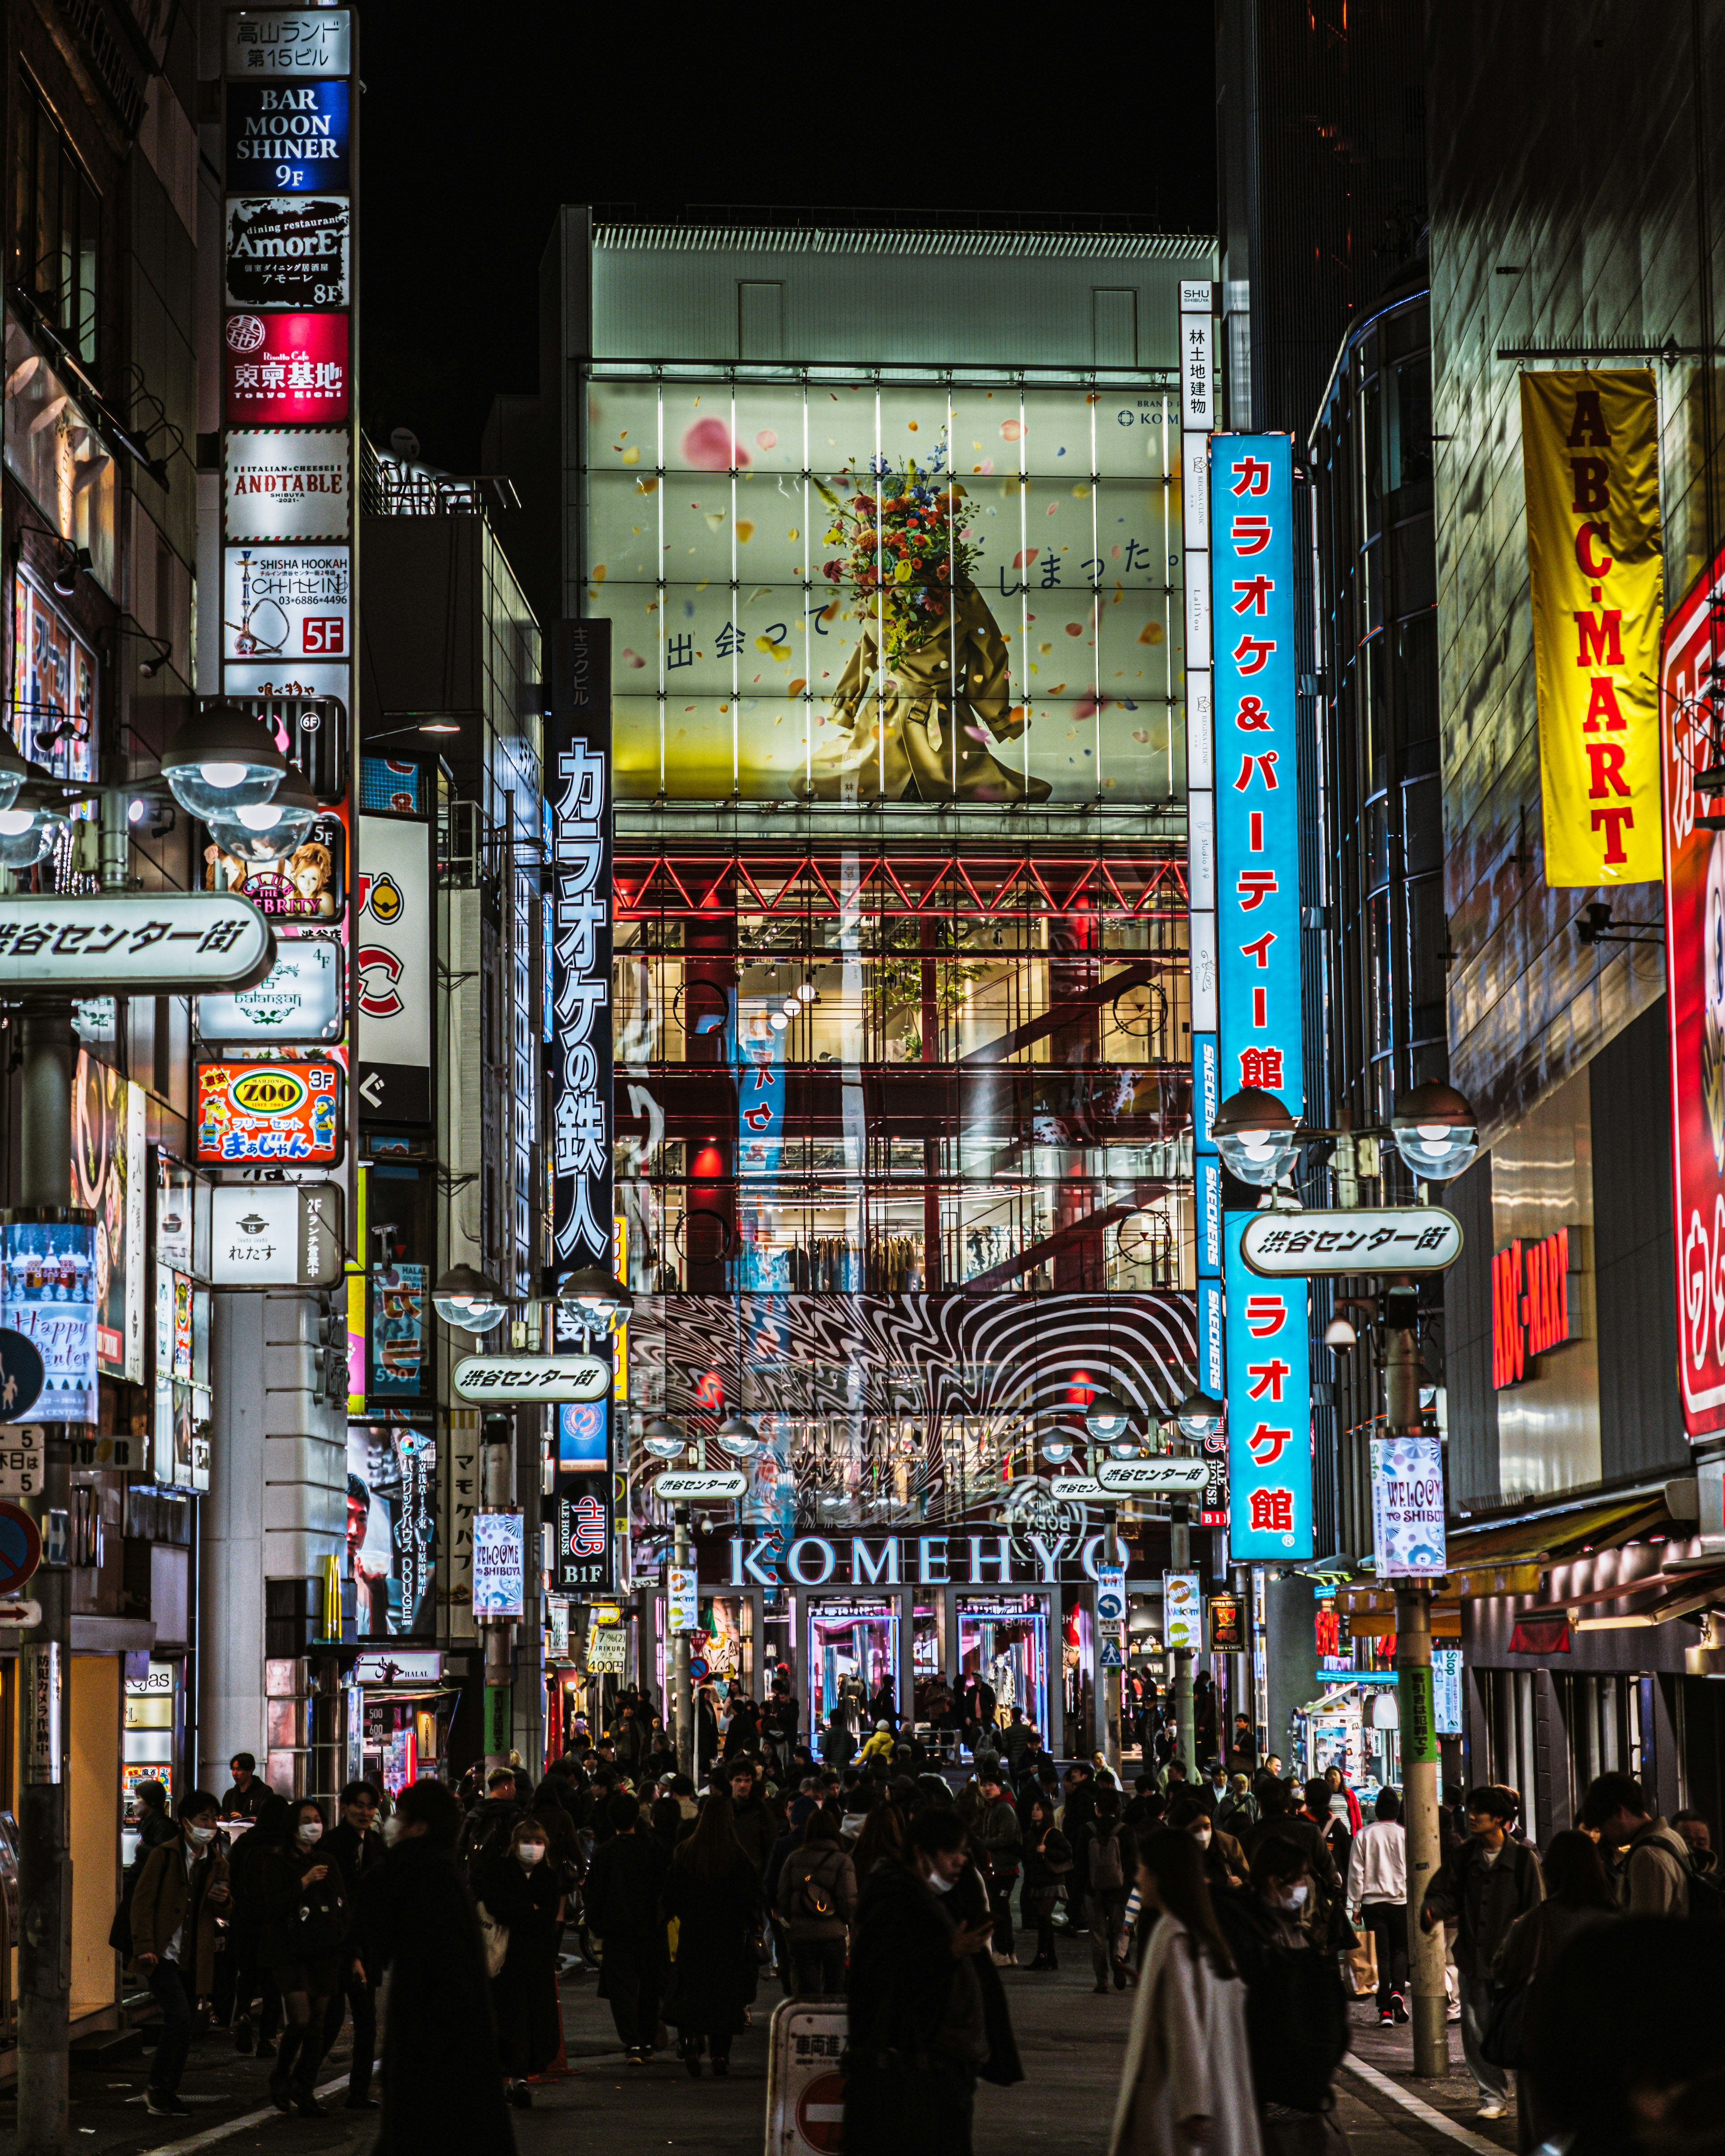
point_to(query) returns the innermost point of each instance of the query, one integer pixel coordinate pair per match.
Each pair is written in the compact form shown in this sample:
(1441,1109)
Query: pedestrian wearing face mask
(306,1945)
(181,1886)
(524,1892)
(1225,1869)
(357,1846)
(1296,2015)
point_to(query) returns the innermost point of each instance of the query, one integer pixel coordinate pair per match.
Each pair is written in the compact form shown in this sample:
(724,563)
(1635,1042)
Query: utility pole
(682,1692)
(1180,1560)
(44,1946)
(1418,1734)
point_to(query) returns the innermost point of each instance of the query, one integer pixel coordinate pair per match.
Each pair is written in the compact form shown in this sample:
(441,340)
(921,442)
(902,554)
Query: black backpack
(1297,2026)
(1707,1898)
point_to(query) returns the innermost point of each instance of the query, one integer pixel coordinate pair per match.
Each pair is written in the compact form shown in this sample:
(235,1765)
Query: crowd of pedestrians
(1232,1902)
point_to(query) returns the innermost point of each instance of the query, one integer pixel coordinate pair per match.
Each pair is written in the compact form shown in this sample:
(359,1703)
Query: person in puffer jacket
(815,1903)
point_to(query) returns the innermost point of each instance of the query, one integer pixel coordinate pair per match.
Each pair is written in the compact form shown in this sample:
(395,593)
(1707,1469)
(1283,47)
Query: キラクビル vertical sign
(577,789)
(1695,1001)
(1590,462)
(1259,1017)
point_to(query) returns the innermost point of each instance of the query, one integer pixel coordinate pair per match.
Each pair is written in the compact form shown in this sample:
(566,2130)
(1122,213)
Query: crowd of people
(1232,1903)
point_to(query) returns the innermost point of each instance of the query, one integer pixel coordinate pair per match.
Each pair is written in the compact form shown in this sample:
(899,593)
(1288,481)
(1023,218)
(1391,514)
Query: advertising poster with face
(391,1476)
(108,1179)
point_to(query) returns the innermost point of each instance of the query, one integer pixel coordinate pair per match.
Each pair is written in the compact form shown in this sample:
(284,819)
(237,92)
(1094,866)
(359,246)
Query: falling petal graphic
(634,658)
(1012,430)
(796,688)
(1151,633)
(646,486)
(744,530)
(598,574)
(766,439)
(1024,561)
(1141,735)
(1075,629)
(707,446)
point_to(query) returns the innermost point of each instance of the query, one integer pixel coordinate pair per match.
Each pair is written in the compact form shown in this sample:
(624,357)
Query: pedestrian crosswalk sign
(1110,1655)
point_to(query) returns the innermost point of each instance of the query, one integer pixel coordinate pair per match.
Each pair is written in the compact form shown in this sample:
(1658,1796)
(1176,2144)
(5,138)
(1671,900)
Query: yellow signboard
(1590,458)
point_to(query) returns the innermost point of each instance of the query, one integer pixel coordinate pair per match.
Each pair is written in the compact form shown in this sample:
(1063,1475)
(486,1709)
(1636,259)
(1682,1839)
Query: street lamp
(268,830)
(467,1297)
(14,771)
(600,1302)
(1057,1451)
(1198,1416)
(222,760)
(1434,1131)
(738,1436)
(663,1439)
(1255,1135)
(29,826)
(1339,1333)
(1107,1417)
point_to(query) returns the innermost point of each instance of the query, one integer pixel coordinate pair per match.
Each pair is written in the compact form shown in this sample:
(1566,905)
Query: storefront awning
(1551,1538)
(1658,1598)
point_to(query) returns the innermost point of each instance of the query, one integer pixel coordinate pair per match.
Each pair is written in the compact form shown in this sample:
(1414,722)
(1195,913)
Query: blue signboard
(1269,1412)
(1211,1375)
(287,137)
(584,1446)
(1257,795)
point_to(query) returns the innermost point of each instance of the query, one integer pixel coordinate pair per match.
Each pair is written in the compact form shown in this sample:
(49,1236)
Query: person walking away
(441,2082)
(918,2031)
(181,1885)
(252,1980)
(1484,1887)
(305,1943)
(816,1901)
(517,1889)
(1296,2015)
(1332,1825)
(1578,1895)
(248,1796)
(621,1899)
(1185,2085)
(1377,1896)
(712,1892)
(1655,1864)
(879,1744)
(1048,1865)
(1109,1863)
(356,1845)
(838,1746)
(998,1837)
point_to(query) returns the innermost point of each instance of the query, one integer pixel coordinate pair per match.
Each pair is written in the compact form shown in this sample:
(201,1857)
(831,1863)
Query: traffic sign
(1367,1238)
(22,1374)
(21,1460)
(20,1547)
(689,1485)
(1110,1594)
(1111,1654)
(805,2089)
(14,1612)
(820,2112)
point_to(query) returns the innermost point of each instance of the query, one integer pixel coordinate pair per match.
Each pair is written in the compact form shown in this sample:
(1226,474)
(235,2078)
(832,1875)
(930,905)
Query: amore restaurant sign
(1036,1558)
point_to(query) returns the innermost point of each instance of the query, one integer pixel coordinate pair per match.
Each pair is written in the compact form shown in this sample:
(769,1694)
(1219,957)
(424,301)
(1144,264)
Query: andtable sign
(154,943)
(1297,1246)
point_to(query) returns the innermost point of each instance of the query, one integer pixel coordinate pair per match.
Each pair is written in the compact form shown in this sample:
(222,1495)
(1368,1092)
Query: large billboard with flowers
(849,591)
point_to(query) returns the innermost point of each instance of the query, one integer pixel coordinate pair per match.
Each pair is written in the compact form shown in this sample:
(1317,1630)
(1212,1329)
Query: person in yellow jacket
(880,1745)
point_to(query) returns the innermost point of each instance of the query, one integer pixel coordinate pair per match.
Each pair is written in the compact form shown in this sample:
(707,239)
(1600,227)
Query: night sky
(478,121)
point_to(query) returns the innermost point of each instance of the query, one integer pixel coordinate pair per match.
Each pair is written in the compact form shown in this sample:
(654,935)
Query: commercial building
(903,1165)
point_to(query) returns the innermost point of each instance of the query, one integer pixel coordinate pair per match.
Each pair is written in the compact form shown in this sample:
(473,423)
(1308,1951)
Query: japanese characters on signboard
(393,957)
(400,1342)
(287,251)
(108,1131)
(281,1113)
(577,771)
(288,42)
(1034,527)
(286,604)
(1269,1412)
(287,370)
(392,1531)
(1695,1000)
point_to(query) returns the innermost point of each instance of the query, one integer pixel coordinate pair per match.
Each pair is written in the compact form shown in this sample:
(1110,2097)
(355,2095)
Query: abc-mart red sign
(1532,1310)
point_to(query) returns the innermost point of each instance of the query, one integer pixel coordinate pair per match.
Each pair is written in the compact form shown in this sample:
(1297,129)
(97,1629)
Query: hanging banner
(577,791)
(1694,1002)
(1269,1412)
(1408,1507)
(1259,1013)
(1590,466)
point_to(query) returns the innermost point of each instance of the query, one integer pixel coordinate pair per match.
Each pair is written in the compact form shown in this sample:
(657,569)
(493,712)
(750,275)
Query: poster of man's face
(391,1549)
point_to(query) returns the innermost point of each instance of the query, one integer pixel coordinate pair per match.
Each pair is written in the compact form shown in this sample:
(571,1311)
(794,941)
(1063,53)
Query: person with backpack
(180,1885)
(1186,2084)
(1578,1895)
(1108,1862)
(1659,1879)
(306,1943)
(998,1837)
(1483,1887)
(815,1903)
(1296,2012)
(489,1825)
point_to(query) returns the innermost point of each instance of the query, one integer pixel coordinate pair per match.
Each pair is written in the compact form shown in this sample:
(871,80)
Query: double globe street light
(1433,1128)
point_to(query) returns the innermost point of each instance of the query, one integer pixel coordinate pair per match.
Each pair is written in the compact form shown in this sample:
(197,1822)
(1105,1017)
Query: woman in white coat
(1187,2085)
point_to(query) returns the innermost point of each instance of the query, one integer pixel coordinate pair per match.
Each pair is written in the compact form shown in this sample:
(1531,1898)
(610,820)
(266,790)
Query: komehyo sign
(149,944)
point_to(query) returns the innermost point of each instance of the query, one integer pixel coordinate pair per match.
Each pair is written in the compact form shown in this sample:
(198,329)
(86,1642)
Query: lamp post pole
(1419,1740)
(682,1691)
(1180,1560)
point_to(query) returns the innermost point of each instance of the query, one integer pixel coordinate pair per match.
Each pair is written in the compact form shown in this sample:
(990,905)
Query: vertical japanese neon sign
(1259,1011)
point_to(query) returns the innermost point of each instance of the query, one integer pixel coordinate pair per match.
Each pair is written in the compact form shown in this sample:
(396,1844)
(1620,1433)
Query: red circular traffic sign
(20,1548)
(820,2112)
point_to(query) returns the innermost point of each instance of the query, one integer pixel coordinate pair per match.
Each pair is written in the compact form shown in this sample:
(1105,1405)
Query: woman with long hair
(1578,1895)
(1048,1865)
(713,1894)
(882,1838)
(1187,2083)
(521,1888)
(304,1943)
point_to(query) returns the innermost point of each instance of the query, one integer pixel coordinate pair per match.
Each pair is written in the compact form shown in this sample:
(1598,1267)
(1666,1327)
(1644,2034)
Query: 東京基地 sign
(1376,1239)
(690,1486)
(133,943)
(533,1377)
(1139,1478)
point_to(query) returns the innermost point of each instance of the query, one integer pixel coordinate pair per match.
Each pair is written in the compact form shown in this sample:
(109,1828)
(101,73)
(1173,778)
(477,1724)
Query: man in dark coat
(443,2084)
(488,1826)
(919,2022)
(1483,1887)
(356,1845)
(620,1899)
(756,1829)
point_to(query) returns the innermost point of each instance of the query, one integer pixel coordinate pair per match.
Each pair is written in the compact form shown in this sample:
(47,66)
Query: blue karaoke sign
(1258,1008)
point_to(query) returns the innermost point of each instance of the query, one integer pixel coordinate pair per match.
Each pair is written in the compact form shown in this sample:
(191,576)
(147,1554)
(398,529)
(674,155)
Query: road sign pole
(44,1945)
(682,1691)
